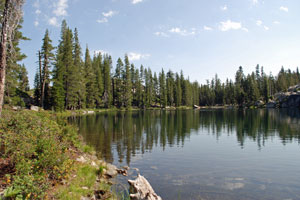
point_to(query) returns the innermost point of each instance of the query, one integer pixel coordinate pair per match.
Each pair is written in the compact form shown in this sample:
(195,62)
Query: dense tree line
(93,82)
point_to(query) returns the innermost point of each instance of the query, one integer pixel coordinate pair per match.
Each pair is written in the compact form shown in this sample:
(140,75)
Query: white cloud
(137,56)
(136,1)
(266,28)
(245,29)
(109,13)
(182,32)
(53,21)
(255,2)
(162,34)
(230,25)
(276,22)
(224,8)
(36,23)
(61,8)
(285,9)
(259,22)
(38,11)
(207,28)
(103,20)
(36,4)
(100,51)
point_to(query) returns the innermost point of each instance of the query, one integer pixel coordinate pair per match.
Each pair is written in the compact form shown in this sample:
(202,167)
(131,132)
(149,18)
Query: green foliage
(36,145)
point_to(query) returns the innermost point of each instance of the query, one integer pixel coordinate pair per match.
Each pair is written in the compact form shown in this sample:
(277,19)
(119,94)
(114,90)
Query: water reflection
(130,133)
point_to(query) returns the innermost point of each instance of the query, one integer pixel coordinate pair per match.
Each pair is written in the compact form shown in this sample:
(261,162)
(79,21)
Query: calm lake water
(203,154)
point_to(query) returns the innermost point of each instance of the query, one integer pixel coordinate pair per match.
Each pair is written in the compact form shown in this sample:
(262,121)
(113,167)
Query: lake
(203,154)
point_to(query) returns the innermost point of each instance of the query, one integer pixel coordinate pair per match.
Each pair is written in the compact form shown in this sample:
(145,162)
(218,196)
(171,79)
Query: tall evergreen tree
(79,68)
(47,59)
(90,81)
(128,85)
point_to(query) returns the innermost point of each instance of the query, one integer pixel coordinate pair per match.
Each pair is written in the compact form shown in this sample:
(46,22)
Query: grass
(83,183)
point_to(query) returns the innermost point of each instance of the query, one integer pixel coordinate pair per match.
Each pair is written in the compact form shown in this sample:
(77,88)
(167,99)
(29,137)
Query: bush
(36,145)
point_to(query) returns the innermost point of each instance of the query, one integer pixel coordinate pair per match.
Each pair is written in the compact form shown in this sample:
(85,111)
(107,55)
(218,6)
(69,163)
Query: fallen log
(140,189)
(196,107)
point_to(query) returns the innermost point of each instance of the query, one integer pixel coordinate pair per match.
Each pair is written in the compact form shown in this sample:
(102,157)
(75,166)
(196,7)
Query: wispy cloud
(38,12)
(182,32)
(259,22)
(162,34)
(254,2)
(231,25)
(103,20)
(97,52)
(276,22)
(207,28)
(224,8)
(107,15)
(61,8)
(136,1)
(137,56)
(36,23)
(285,9)
(53,21)
(266,28)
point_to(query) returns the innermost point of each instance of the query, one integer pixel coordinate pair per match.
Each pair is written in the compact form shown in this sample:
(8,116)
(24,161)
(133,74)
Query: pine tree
(90,80)
(107,96)
(58,89)
(80,70)
(47,58)
(178,91)
(162,89)
(97,65)
(118,94)
(23,79)
(128,85)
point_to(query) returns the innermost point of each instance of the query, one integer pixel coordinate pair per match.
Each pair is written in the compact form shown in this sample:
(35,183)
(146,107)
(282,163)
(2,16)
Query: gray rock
(81,159)
(111,170)
(34,108)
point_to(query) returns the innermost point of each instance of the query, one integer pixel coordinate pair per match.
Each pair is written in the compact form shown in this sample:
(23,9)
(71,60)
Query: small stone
(81,159)
(94,164)
(85,188)
(34,108)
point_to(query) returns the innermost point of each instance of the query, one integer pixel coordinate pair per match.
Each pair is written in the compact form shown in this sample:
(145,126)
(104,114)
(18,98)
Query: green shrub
(36,143)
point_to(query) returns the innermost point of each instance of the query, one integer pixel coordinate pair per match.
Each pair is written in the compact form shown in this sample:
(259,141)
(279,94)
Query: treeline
(246,90)
(74,83)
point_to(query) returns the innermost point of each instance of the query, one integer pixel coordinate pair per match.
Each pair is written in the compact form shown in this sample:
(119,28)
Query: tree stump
(141,189)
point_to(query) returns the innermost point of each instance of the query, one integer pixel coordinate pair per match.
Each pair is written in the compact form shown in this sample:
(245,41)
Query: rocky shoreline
(140,188)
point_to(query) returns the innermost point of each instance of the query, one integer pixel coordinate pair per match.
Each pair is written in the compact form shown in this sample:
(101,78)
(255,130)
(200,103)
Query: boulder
(111,170)
(34,108)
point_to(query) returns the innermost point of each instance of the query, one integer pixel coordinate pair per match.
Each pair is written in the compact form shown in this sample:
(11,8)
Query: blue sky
(201,37)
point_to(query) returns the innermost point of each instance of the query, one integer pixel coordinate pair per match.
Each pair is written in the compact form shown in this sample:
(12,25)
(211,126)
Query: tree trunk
(3,52)
(40,71)
(45,75)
